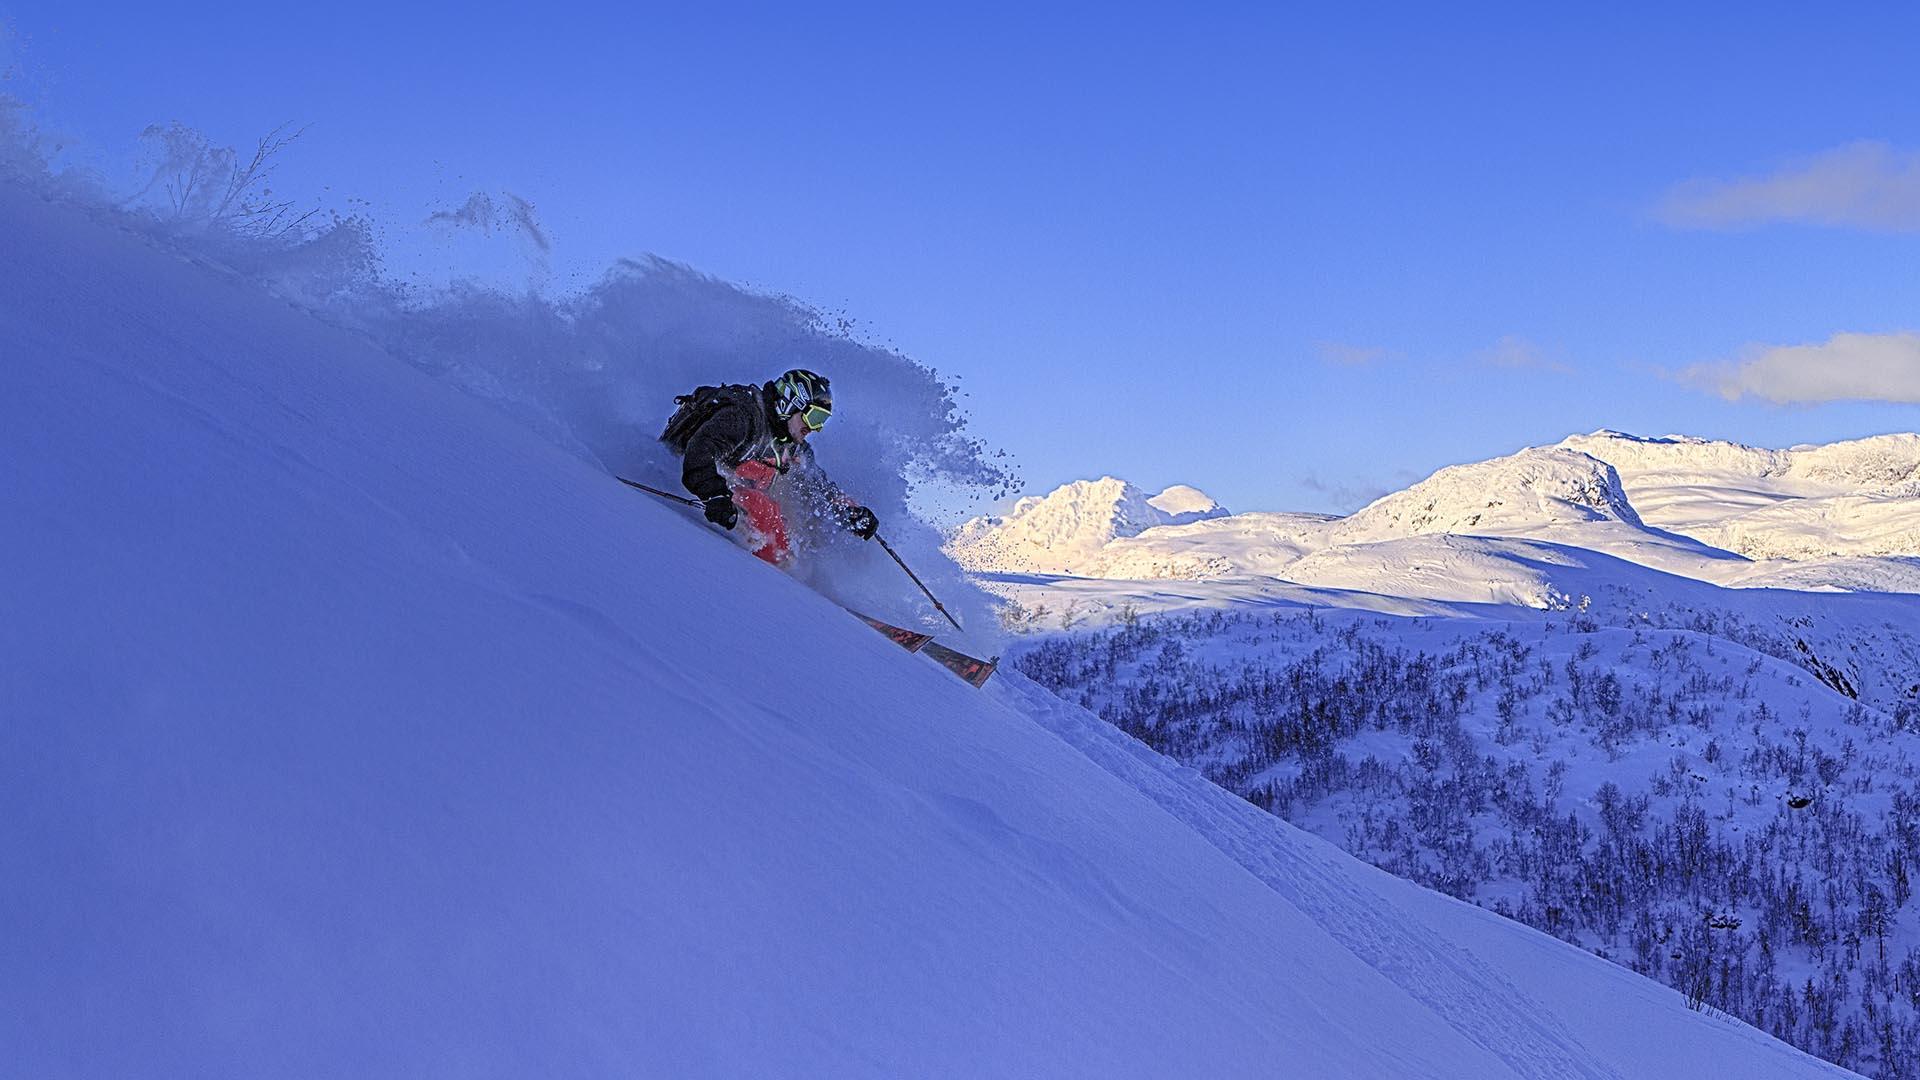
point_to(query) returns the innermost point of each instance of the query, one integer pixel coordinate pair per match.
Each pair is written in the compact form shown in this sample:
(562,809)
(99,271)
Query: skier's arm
(717,439)
(825,494)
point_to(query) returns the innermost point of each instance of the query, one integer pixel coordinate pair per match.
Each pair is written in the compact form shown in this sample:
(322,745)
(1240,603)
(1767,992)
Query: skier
(740,442)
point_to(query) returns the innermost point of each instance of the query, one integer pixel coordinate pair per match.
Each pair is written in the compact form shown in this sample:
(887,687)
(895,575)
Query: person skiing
(740,442)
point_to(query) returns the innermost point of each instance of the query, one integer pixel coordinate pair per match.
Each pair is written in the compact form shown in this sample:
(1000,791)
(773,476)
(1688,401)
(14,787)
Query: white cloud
(1848,367)
(1519,354)
(1863,185)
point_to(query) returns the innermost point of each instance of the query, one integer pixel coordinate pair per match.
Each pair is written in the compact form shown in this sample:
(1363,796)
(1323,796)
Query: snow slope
(352,728)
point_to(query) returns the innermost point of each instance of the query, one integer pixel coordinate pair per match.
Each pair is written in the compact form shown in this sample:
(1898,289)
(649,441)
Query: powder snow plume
(594,370)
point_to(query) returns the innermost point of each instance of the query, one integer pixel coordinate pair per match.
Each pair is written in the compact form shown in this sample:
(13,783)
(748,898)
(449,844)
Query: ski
(972,669)
(910,640)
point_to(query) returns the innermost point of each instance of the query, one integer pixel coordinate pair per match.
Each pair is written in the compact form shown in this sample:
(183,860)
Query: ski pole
(917,581)
(657,491)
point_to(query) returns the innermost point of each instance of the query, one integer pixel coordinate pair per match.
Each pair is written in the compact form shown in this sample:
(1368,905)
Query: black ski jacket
(741,429)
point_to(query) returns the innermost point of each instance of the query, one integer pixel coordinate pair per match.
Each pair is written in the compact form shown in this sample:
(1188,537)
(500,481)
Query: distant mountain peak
(1535,487)
(1058,531)
(1181,501)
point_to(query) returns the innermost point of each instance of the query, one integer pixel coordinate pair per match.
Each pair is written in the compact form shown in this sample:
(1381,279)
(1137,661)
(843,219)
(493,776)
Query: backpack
(694,409)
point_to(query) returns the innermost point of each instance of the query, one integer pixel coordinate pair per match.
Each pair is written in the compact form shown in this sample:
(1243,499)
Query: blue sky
(1293,258)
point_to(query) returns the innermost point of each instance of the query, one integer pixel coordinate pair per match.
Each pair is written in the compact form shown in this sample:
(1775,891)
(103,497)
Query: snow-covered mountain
(1071,524)
(1847,499)
(1520,495)
(1881,463)
(1835,518)
(1239,543)
(1182,504)
(1551,496)
(353,727)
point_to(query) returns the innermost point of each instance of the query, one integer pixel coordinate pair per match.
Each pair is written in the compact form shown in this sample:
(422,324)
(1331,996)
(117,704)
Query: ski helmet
(801,390)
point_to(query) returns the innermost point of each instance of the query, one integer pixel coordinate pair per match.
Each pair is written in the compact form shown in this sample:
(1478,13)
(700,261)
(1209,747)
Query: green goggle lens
(815,417)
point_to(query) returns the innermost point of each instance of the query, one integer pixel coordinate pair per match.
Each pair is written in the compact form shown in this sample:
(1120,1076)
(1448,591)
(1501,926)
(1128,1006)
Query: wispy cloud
(1862,185)
(1343,497)
(1848,367)
(1347,496)
(1519,354)
(1341,354)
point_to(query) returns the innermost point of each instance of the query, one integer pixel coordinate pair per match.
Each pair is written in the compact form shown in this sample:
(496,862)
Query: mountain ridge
(1734,515)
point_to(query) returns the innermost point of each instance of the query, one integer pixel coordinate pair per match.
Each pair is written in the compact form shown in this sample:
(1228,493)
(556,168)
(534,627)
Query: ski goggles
(815,416)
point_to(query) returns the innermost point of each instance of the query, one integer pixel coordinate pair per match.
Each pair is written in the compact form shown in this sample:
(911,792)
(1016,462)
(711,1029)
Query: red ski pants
(769,527)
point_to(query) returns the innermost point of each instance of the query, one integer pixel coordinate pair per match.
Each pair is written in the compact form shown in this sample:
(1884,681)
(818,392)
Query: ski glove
(721,511)
(861,522)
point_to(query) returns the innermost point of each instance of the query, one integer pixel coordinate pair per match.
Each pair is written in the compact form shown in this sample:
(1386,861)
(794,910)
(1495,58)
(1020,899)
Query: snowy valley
(1541,684)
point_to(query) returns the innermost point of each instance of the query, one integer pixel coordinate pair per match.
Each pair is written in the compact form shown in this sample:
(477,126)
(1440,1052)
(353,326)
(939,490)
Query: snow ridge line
(1471,997)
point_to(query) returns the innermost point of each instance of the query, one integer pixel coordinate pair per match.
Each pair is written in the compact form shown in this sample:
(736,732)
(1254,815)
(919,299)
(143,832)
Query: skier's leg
(769,526)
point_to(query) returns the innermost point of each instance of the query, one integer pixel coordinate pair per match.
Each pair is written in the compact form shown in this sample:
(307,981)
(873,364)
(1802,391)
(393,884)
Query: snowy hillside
(1663,794)
(356,728)
(1855,498)
(1069,525)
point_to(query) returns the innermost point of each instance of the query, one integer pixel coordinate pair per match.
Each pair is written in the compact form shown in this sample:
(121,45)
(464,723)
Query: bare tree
(206,186)
(1074,614)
